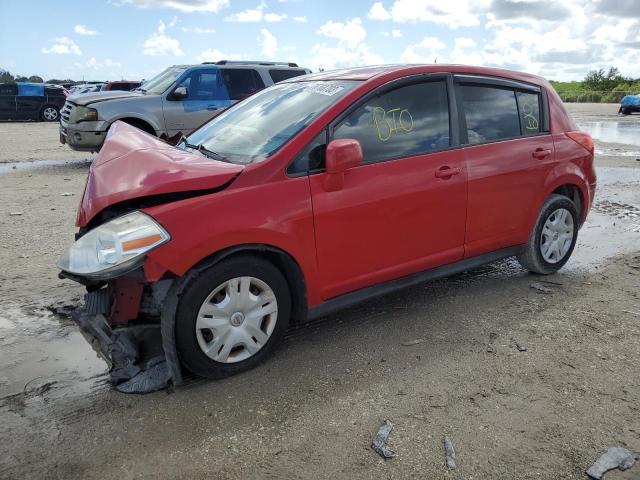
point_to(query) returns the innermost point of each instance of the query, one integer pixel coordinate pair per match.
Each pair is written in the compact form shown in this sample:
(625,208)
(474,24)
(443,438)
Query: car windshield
(162,81)
(257,127)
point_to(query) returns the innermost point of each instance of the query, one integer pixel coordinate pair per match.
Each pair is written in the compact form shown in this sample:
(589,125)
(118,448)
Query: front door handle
(541,153)
(446,171)
(212,107)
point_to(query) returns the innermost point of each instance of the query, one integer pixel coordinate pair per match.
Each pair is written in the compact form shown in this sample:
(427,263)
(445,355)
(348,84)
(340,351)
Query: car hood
(135,166)
(95,97)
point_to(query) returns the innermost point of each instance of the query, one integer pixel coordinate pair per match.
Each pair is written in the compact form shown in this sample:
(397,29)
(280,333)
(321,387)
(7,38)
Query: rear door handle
(446,171)
(212,107)
(541,153)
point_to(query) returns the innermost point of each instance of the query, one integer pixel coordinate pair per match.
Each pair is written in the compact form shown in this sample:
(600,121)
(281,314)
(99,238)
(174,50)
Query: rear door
(207,96)
(8,93)
(509,153)
(30,100)
(241,82)
(403,210)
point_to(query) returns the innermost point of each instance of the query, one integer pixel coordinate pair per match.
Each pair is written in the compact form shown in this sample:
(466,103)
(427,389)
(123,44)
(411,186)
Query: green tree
(36,79)
(6,77)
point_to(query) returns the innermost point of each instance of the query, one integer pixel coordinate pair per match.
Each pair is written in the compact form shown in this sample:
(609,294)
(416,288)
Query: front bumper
(128,323)
(84,140)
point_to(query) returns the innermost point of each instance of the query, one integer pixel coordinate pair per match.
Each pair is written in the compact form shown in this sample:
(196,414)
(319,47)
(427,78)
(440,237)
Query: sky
(136,39)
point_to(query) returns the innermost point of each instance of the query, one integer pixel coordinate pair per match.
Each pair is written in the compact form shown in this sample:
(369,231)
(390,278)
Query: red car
(123,85)
(318,193)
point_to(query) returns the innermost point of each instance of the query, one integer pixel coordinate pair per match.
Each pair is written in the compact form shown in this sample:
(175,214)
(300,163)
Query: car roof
(400,70)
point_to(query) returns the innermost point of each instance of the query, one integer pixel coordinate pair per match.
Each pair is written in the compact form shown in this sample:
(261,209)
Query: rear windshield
(254,129)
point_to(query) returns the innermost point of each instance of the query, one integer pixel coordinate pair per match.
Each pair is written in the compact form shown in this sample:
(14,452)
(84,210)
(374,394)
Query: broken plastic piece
(379,444)
(451,453)
(614,457)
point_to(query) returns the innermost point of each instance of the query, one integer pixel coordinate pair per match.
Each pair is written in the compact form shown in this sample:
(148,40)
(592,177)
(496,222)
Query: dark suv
(31,101)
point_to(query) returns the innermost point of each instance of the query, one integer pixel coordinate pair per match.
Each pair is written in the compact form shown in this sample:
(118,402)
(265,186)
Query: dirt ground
(527,384)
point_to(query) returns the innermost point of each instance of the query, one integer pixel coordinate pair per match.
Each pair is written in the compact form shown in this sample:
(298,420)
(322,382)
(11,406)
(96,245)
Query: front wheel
(554,237)
(50,113)
(232,316)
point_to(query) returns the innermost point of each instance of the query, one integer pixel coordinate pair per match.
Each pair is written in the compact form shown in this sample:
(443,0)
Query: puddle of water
(9,167)
(627,133)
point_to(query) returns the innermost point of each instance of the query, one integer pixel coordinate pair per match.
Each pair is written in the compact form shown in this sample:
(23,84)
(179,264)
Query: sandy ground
(312,410)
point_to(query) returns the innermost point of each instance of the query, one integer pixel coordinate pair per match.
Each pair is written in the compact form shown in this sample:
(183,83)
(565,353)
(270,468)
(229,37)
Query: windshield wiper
(205,151)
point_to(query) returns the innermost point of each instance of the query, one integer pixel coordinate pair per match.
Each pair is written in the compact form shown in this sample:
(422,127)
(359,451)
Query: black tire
(47,111)
(625,111)
(531,257)
(191,355)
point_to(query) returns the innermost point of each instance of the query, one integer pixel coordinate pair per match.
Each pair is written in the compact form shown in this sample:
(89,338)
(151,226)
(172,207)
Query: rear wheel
(49,113)
(554,237)
(232,316)
(625,110)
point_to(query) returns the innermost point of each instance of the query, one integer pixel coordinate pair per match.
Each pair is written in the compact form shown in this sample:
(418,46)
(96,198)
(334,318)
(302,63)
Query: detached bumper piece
(135,353)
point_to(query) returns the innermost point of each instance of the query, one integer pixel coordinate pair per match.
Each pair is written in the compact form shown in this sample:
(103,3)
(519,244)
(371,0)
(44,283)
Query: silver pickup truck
(171,104)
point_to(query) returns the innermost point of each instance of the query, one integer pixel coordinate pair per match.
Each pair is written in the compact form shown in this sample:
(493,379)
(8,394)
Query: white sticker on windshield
(325,88)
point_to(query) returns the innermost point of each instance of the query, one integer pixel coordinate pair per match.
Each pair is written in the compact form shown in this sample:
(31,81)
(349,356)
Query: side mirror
(180,93)
(341,155)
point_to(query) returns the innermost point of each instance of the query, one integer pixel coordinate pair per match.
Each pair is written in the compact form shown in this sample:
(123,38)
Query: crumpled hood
(135,165)
(94,97)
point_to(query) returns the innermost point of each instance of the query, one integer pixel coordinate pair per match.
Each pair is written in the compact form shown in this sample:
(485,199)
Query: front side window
(204,85)
(407,121)
(529,107)
(257,127)
(312,157)
(241,82)
(491,113)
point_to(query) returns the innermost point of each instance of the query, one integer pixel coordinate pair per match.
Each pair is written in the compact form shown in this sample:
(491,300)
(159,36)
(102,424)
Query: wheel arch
(139,122)
(281,259)
(568,180)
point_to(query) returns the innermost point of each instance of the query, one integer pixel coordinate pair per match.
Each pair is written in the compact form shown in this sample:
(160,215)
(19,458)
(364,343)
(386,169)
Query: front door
(207,96)
(507,162)
(403,210)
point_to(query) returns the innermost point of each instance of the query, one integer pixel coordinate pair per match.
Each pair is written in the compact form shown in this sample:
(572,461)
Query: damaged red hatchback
(312,195)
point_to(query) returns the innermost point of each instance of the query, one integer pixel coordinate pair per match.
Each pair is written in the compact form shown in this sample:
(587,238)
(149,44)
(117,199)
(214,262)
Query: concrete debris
(614,457)
(521,347)
(492,338)
(451,453)
(379,444)
(412,342)
(66,194)
(540,287)
(15,214)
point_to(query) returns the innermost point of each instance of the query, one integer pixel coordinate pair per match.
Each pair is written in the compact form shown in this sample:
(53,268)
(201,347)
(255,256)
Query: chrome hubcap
(557,235)
(50,113)
(236,319)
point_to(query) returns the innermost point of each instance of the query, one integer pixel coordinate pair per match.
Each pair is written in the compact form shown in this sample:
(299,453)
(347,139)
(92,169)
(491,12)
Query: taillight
(583,139)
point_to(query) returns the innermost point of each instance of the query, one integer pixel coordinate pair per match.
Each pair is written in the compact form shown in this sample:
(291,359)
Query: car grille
(65,113)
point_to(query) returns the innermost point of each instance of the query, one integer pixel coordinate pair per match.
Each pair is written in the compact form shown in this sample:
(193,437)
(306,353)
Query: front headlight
(114,247)
(84,114)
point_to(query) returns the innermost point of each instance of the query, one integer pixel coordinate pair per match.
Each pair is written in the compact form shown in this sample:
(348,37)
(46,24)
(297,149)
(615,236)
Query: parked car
(321,192)
(123,85)
(31,101)
(629,104)
(173,103)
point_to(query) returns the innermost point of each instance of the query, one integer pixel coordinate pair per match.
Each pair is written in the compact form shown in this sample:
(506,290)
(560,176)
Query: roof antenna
(435,60)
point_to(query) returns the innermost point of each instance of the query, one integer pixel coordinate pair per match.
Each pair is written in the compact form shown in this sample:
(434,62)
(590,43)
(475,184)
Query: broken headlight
(114,247)
(84,114)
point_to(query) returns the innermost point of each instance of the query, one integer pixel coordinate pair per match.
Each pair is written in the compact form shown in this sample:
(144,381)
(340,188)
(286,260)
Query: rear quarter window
(529,108)
(278,75)
(491,113)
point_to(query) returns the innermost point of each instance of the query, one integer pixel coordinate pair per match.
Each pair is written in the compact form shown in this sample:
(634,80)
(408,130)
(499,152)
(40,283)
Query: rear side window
(529,107)
(278,75)
(491,113)
(407,121)
(31,90)
(8,89)
(241,82)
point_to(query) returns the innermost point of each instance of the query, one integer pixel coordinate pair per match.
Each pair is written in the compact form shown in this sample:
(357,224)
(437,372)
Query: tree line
(606,86)
(7,77)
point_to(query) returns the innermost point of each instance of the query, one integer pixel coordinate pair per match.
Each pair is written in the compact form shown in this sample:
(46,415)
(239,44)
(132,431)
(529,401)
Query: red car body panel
(390,219)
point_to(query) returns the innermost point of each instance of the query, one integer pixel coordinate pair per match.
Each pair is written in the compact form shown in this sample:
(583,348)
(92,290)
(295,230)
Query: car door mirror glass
(180,93)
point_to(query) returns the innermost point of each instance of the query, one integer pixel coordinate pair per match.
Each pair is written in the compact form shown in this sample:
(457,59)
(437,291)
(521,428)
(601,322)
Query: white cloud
(198,30)
(301,19)
(395,33)
(248,15)
(268,43)
(350,33)
(160,44)
(464,42)
(274,17)
(83,30)
(214,55)
(426,51)
(63,46)
(93,64)
(188,6)
(378,12)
